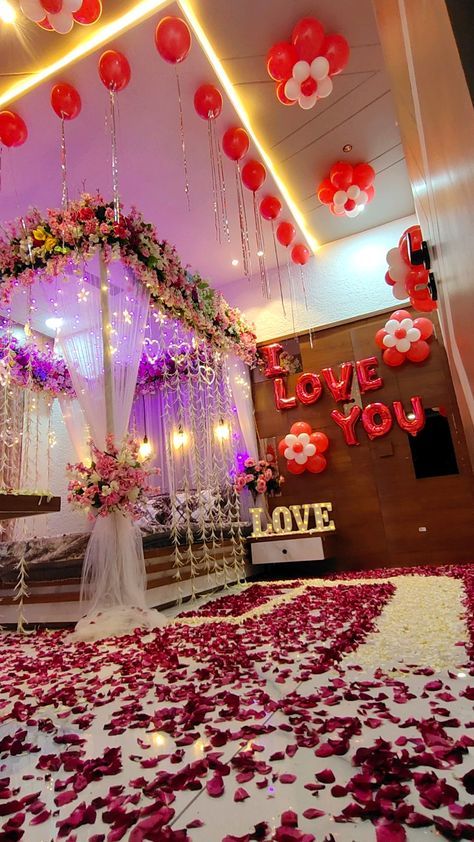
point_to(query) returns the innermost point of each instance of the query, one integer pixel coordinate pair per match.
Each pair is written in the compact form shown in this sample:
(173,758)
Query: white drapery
(239,378)
(103,311)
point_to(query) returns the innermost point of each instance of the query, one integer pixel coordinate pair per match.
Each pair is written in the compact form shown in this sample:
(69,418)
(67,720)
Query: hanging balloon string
(260,250)
(277,260)
(221,217)
(113,138)
(300,255)
(64,191)
(212,159)
(222,187)
(182,139)
(243,224)
(291,289)
(305,298)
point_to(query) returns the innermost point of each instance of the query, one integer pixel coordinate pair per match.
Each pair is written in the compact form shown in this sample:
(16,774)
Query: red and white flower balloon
(303,449)
(403,338)
(303,67)
(347,189)
(407,280)
(60,15)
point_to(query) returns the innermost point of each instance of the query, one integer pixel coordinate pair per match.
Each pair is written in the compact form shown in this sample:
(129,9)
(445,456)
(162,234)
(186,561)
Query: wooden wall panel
(379,505)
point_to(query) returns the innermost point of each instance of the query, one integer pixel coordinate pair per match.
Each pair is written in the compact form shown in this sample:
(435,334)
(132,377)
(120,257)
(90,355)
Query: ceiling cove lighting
(206,45)
(101,35)
(7,12)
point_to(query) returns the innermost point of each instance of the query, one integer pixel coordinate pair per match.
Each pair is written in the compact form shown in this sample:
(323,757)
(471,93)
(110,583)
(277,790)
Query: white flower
(106,490)
(400,335)
(62,21)
(309,82)
(299,448)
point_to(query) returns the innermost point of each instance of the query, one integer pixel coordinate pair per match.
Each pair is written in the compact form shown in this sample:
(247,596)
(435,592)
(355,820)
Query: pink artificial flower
(249,463)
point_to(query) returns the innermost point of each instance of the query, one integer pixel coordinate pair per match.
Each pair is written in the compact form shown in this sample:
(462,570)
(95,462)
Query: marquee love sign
(282,520)
(376,418)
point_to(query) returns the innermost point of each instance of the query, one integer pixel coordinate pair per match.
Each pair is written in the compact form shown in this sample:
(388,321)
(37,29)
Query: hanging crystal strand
(292,295)
(222,191)
(167,393)
(212,159)
(244,229)
(305,298)
(206,374)
(21,590)
(64,191)
(233,503)
(113,137)
(182,138)
(214,457)
(260,249)
(280,285)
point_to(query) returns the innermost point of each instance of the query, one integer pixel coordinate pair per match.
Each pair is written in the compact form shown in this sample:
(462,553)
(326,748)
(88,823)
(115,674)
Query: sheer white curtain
(104,310)
(241,387)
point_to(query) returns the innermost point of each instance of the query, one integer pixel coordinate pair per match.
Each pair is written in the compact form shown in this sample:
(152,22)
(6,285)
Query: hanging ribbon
(260,249)
(64,191)
(221,218)
(183,142)
(280,285)
(113,138)
(243,224)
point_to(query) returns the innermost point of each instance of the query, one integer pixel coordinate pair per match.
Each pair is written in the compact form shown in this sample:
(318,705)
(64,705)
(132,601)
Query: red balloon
(281,399)
(45,24)
(271,354)
(340,389)
(300,254)
(52,7)
(270,207)
(416,277)
(419,351)
(13,131)
(410,425)
(399,315)
(336,212)
(370,193)
(316,464)
(253,175)
(424,305)
(300,427)
(336,49)
(374,428)
(282,445)
(280,60)
(392,357)
(389,280)
(349,204)
(114,70)
(66,101)
(173,39)
(308,388)
(208,102)
(363,176)
(416,241)
(379,337)
(326,191)
(320,440)
(348,423)
(89,12)
(307,37)
(235,143)
(280,92)
(341,175)
(286,233)
(424,326)
(367,374)
(294,467)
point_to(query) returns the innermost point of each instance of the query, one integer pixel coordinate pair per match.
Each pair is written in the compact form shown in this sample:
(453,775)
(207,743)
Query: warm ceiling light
(235,262)
(101,35)
(239,107)
(7,12)
(347,147)
(54,322)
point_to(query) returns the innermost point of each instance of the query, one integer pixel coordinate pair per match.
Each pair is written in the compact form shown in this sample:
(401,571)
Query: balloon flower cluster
(407,279)
(347,189)
(60,15)
(403,338)
(303,449)
(303,67)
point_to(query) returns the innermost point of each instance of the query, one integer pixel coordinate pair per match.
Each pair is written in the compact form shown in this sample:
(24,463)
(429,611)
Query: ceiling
(302,145)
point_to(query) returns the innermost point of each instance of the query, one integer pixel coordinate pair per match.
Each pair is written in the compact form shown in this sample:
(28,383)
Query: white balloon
(352,213)
(403,345)
(391,326)
(307,102)
(33,10)
(290,440)
(288,453)
(389,341)
(301,71)
(353,192)
(394,257)
(300,458)
(319,68)
(325,87)
(310,449)
(413,334)
(62,22)
(399,273)
(303,438)
(71,5)
(406,324)
(340,197)
(399,291)
(292,89)
(363,198)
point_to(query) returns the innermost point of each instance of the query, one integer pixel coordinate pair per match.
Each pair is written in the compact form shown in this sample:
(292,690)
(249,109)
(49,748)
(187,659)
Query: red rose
(86,213)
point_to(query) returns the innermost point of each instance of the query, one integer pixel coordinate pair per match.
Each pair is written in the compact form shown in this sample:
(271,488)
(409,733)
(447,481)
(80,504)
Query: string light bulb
(222,431)
(145,450)
(180,438)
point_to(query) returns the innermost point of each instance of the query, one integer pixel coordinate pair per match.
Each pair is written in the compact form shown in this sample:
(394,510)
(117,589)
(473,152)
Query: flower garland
(46,246)
(116,481)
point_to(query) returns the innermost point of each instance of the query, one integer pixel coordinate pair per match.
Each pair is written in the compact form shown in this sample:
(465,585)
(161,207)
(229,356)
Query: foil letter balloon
(308,388)
(272,357)
(367,375)
(373,428)
(281,400)
(409,424)
(340,389)
(347,423)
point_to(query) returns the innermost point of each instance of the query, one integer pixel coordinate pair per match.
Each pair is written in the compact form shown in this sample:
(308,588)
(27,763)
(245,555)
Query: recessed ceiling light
(53,322)
(235,262)
(7,12)
(347,147)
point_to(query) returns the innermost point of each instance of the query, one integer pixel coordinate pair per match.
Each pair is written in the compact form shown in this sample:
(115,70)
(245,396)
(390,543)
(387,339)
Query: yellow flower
(40,234)
(50,243)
